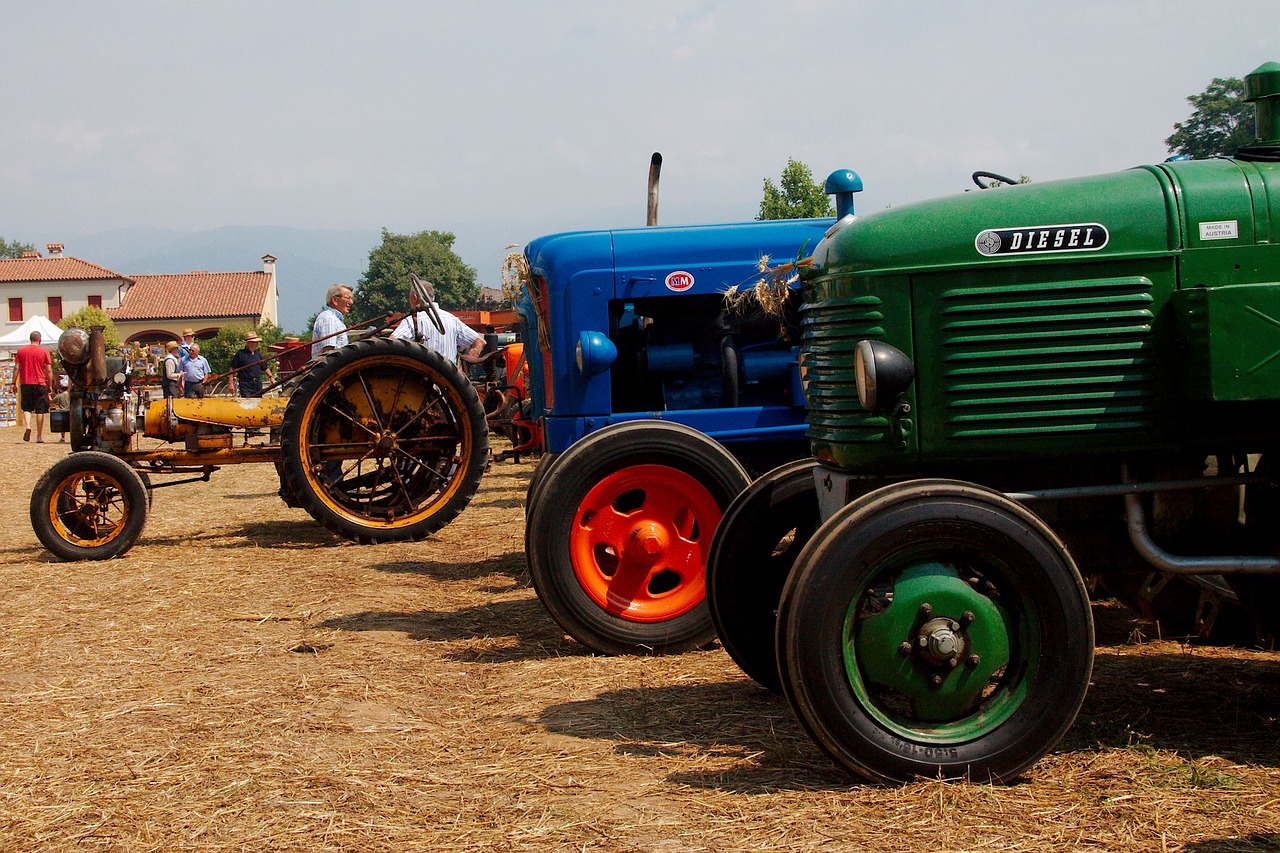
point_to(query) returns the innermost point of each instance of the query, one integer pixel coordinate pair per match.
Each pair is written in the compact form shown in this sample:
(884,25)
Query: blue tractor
(655,395)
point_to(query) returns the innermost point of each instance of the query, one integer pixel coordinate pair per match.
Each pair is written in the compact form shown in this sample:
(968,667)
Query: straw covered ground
(243,680)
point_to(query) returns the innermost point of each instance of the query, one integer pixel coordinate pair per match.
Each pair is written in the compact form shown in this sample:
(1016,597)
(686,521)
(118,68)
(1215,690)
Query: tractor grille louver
(1065,357)
(830,331)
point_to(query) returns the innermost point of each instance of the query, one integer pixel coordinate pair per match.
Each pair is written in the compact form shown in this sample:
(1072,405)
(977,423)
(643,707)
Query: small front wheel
(89,506)
(618,532)
(935,629)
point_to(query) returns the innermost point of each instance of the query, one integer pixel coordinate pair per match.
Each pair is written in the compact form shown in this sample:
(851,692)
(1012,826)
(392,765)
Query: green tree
(385,285)
(88,317)
(14,249)
(1220,122)
(798,197)
(230,339)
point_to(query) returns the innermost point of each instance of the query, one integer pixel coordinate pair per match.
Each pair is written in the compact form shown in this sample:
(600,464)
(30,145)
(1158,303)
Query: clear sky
(503,121)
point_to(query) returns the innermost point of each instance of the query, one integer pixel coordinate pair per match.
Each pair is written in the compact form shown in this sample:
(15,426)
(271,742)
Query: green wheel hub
(935,653)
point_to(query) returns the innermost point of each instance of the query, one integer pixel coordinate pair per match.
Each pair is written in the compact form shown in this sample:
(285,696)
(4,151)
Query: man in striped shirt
(328,330)
(458,339)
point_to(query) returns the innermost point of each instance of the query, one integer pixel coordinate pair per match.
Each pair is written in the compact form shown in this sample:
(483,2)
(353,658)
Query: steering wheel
(419,290)
(992,179)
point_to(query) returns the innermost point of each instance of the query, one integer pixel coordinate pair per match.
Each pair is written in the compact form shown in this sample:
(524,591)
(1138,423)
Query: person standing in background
(194,369)
(248,366)
(188,338)
(62,400)
(170,373)
(457,339)
(327,331)
(33,380)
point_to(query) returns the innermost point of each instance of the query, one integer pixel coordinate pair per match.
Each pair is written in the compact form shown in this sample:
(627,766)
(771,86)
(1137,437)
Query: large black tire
(534,491)
(383,441)
(89,506)
(935,629)
(752,552)
(617,543)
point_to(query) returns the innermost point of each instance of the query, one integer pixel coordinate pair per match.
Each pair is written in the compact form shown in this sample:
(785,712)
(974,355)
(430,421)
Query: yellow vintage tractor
(381,440)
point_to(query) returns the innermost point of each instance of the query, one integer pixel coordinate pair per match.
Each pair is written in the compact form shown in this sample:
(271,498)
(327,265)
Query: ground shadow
(1267,842)
(525,621)
(1220,702)
(298,535)
(1195,706)
(499,503)
(733,719)
(510,565)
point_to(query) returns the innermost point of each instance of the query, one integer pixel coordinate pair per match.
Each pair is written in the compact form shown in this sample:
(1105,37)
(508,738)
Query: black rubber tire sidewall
(744,576)
(534,490)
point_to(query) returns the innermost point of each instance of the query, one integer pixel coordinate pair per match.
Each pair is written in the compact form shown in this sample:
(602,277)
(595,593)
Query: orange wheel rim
(639,542)
(386,445)
(88,509)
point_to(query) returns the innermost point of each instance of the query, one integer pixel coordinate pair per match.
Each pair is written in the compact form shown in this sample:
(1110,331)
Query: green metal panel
(1233,336)
(1134,207)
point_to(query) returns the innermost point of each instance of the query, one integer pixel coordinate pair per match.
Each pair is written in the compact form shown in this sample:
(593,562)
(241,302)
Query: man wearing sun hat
(170,374)
(247,369)
(188,338)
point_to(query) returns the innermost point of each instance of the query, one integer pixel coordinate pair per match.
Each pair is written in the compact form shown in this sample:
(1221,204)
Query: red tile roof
(53,269)
(194,294)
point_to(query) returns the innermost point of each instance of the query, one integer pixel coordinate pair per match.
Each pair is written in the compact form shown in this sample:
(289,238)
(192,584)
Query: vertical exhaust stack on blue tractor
(1005,387)
(653,395)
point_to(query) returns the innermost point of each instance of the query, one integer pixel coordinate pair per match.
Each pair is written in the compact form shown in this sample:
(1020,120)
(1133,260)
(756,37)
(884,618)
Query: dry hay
(772,290)
(243,680)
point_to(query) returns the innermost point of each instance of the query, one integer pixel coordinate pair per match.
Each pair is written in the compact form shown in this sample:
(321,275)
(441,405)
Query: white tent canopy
(21,336)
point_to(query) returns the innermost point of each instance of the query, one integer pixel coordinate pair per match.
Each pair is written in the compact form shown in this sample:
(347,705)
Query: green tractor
(1007,388)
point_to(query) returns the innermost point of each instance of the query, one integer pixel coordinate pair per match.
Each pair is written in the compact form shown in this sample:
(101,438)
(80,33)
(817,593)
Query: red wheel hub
(640,539)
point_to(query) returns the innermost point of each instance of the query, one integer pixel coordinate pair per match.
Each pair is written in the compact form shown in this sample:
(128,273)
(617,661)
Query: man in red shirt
(33,370)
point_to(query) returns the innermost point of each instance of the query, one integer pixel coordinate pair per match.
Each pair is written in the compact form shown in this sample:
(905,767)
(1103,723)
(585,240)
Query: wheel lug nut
(967,617)
(926,609)
(936,681)
(905,648)
(973,660)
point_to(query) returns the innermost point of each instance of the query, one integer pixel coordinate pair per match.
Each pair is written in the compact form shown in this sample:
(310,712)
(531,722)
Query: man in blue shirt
(248,366)
(327,331)
(193,369)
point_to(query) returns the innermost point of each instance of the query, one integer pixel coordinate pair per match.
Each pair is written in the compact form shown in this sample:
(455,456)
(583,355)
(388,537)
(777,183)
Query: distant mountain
(307,262)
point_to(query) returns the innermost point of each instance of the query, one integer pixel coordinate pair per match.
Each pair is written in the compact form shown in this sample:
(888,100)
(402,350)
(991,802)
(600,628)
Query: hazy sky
(503,121)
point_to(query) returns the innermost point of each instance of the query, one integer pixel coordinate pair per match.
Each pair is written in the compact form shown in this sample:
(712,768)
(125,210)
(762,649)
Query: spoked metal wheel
(935,629)
(754,548)
(618,533)
(384,440)
(89,506)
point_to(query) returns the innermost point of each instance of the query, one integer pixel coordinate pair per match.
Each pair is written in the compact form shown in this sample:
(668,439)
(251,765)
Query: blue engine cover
(657,293)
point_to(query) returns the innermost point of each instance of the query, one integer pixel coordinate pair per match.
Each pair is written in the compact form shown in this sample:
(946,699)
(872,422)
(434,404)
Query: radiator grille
(831,330)
(1065,357)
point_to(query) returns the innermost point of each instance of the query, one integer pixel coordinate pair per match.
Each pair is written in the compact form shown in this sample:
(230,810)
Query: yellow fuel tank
(229,412)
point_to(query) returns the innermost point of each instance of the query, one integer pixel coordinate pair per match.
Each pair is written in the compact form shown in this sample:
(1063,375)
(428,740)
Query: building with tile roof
(159,307)
(55,286)
(144,308)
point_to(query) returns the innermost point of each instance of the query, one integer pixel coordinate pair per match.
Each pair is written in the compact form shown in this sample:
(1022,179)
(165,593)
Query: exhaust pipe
(655,168)
(97,357)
